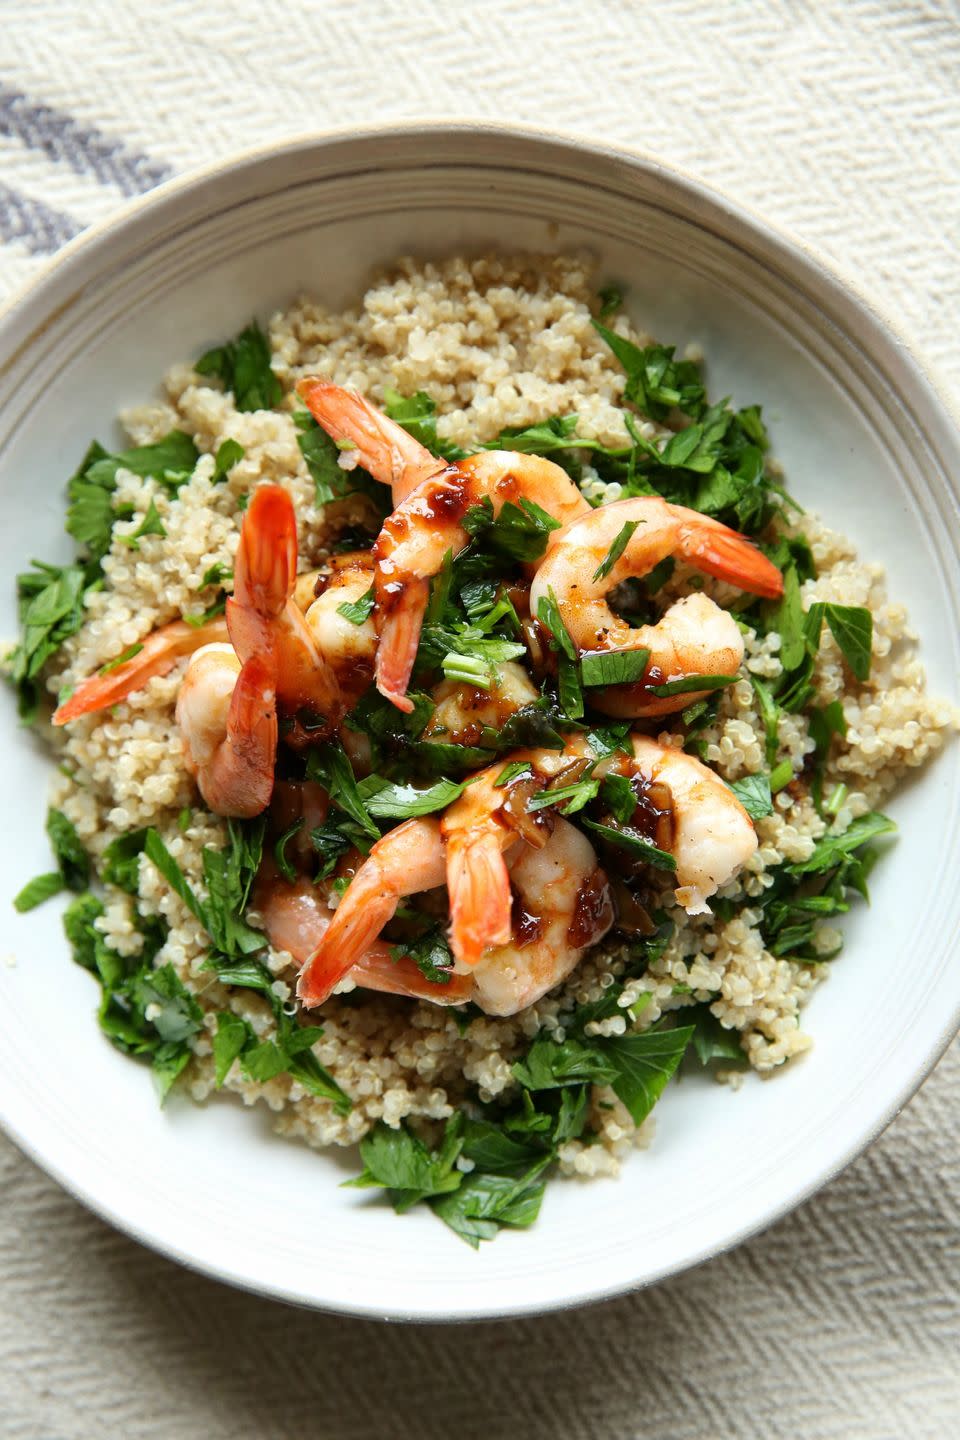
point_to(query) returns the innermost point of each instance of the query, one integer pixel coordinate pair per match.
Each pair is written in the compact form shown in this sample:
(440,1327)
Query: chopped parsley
(753,792)
(229,453)
(617,547)
(614,667)
(691,684)
(151,524)
(243,365)
(417,414)
(73,865)
(357,611)
(519,532)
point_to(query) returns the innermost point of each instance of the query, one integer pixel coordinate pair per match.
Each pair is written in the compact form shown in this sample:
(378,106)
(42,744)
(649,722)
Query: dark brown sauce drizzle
(592,912)
(526,927)
(653,817)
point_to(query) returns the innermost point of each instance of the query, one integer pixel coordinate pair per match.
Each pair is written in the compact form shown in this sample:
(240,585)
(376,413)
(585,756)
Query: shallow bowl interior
(865,442)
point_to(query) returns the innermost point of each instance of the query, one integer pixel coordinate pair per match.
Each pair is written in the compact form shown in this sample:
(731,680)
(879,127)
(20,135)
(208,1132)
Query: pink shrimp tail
(383,447)
(378,970)
(353,929)
(157,656)
(403,606)
(265,569)
(730,556)
(480,897)
(239,782)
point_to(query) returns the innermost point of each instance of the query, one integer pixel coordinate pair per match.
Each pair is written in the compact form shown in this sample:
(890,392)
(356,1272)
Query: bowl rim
(814,265)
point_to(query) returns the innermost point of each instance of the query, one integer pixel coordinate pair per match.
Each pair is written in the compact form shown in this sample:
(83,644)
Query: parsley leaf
(51,610)
(170,461)
(388,799)
(232,1035)
(656,383)
(244,367)
(284,865)
(712,1040)
(519,531)
(399,1162)
(548,614)
(619,544)
(753,792)
(328,764)
(320,452)
(831,849)
(357,611)
(769,714)
(229,453)
(417,414)
(151,524)
(638,845)
(143,1011)
(72,860)
(229,875)
(643,1064)
(549,1063)
(120,862)
(73,865)
(483,1202)
(431,954)
(40,888)
(288,1051)
(691,683)
(852,628)
(614,667)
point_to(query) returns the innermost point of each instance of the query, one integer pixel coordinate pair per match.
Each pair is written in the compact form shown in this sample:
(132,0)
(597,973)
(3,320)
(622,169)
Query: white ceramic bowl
(865,441)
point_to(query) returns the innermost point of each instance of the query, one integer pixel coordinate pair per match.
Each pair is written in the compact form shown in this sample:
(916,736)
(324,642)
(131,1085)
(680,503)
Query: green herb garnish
(243,365)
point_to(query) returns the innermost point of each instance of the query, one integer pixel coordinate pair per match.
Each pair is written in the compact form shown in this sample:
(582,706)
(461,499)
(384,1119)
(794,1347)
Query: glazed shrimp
(296,917)
(262,615)
(404,862)
(694,637)
(381,446)
(415,539)
(227,714)
(348,648)
(262,618)
(463,712)
(156,655)
(480,830)
(713,836)
(562,906)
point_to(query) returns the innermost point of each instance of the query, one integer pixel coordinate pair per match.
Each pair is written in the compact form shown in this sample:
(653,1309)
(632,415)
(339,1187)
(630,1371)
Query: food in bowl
(459,724)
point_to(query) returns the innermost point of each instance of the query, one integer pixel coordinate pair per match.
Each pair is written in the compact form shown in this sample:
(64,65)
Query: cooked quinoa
(495,342)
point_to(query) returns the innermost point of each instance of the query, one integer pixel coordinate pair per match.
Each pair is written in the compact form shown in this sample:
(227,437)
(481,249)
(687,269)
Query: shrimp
(262,619)
(227,714)
(156,655)
(694,636)
(262,615)
(478,830)
(415,539)
(713,836)
(381,446)
(463,712)
(562,906)
(297,916)
(346,646)
(405,861)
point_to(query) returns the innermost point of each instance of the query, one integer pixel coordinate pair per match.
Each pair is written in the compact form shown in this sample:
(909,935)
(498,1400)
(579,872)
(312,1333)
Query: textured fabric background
(840,120)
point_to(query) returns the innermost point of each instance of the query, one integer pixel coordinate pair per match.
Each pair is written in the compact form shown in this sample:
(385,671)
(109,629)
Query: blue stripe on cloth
(41,228)
(85,149)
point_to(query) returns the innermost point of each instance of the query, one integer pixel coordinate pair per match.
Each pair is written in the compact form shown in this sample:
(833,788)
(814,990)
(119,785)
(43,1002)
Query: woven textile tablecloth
(840,120)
